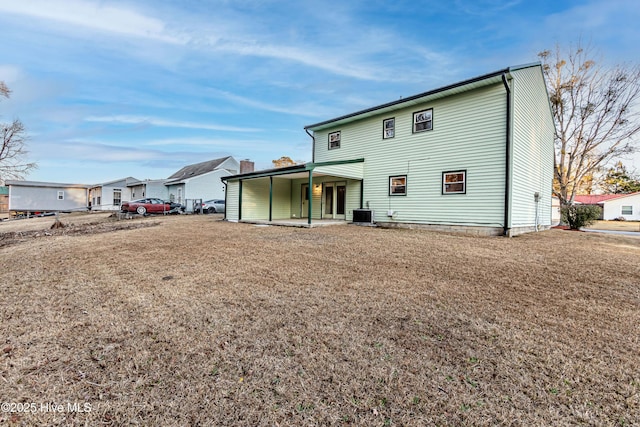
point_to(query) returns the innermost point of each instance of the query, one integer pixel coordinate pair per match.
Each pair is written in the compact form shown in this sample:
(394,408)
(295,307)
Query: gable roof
(594,199)
(197,169)
(21,183)
(125,181)
(441,92)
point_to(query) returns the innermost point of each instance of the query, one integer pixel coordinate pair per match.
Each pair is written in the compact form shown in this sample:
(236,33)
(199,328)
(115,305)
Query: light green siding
(468,134)
(532,164)
(233,192)
(353,198)
(281,198)
(353,170)
(255,198)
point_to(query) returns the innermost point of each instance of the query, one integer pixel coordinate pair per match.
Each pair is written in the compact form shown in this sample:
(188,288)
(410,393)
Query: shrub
(578,216)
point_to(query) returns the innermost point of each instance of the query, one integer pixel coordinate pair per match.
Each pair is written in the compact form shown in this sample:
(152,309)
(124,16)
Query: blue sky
(109,89)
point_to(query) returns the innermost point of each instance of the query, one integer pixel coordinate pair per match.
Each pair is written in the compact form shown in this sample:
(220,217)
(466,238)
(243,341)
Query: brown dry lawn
(195,321)
(617,225)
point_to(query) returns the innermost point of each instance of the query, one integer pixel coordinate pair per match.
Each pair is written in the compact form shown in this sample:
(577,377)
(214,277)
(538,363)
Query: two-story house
(474,156)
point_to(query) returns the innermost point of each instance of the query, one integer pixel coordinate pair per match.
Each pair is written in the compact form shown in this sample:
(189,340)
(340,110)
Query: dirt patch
(105,226)
(202,322)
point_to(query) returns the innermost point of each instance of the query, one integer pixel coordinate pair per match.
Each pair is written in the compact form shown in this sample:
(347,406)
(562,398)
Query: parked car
(210,206)
(145,206)
(176,207)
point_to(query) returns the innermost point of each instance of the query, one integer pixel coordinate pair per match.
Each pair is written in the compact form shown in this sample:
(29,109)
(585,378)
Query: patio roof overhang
(353,169)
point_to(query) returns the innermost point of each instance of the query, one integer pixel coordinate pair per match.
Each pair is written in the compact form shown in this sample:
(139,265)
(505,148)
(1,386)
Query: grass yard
(617,225)
(195,321)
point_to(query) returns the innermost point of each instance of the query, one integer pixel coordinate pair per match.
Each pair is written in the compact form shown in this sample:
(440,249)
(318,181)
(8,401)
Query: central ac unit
(363,216)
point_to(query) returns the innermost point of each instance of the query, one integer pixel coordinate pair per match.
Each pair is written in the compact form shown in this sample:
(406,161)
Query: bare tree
(4,90)
(12,148)
(283,162)
(596,113)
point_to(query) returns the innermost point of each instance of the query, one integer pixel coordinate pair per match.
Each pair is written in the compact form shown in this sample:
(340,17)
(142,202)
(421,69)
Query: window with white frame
(398,185)
(334,140)
(423,120)
(388,128)
(60,195)
(627,210)
(454,182)
(117,196)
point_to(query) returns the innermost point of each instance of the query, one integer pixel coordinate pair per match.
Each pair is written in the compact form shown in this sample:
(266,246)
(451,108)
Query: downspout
(507,160)
(313,146)
(239,202)
(270,198)
(310,208)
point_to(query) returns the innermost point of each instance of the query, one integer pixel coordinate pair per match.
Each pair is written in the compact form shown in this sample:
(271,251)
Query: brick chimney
(246,166)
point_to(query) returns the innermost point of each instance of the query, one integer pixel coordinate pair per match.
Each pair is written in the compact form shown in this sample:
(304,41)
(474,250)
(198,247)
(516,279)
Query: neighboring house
(473,156)
(108,196)
(4,199)
(614,206)
(34,196)
(200,180)
(153,188)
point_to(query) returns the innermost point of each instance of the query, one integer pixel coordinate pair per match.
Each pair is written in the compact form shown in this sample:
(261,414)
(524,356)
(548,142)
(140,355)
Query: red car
(145,206)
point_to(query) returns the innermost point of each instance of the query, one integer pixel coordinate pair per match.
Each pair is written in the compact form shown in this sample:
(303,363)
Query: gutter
(507,160)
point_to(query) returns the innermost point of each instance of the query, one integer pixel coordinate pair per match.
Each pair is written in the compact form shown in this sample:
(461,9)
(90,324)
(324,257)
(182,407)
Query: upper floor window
(454,182)
(389,128)
(334,140)
(60,195)
(423,120)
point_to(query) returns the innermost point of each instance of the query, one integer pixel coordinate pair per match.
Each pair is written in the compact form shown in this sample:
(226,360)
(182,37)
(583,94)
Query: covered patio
(302,195)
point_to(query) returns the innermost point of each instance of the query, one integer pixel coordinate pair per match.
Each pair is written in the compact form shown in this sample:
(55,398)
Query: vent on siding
(363,216)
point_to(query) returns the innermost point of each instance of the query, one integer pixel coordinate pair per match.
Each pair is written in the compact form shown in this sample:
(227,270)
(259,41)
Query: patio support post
(309,189)
(270,198)
(239,202)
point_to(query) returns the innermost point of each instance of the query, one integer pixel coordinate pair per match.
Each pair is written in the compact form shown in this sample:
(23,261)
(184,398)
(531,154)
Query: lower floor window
(398,185)
(60,195)
(627,210)
(454,182)
(117,197)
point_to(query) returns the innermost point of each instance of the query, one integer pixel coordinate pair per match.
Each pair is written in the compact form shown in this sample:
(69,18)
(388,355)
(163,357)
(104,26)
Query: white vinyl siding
(207,186)
(615,208)
(468,134)
(36,198)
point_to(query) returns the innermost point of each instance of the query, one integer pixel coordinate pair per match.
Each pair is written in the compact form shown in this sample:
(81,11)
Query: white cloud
(154,121)
(238,38)
(93,15)
(311,110)
(9,74)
